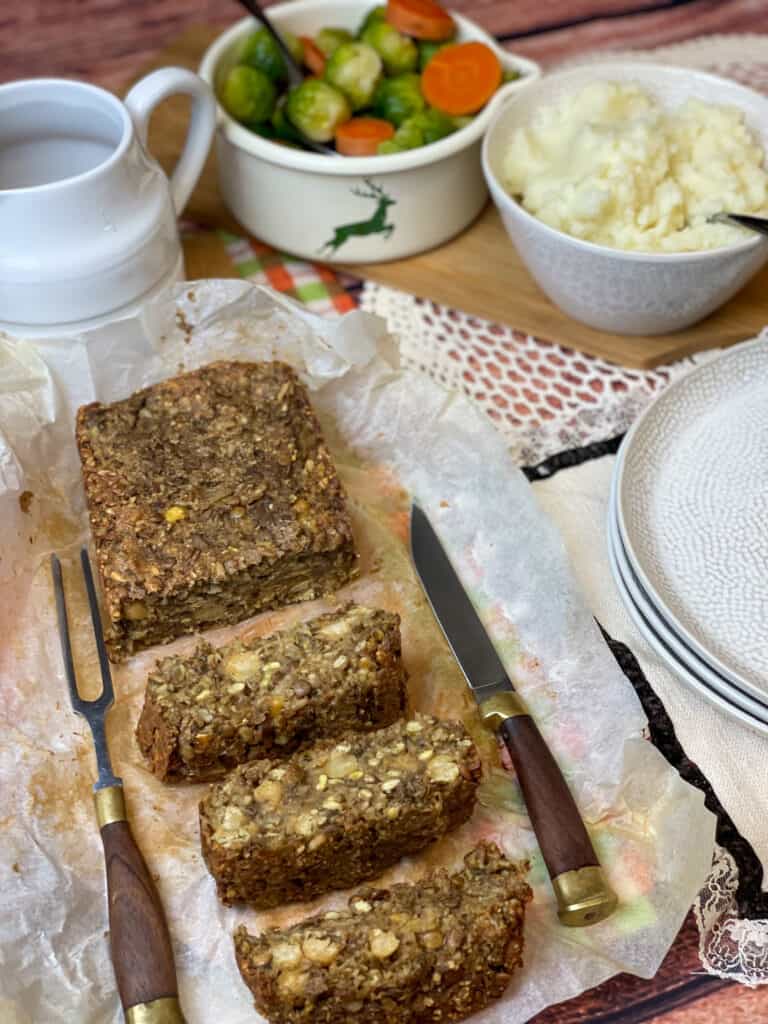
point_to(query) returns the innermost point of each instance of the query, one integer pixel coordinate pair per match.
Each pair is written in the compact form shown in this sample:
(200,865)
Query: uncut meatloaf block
(437,950)
(207,712)
(211,497)
(338,812)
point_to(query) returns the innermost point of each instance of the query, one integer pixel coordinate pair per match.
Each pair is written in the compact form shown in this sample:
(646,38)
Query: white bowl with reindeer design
(351,209)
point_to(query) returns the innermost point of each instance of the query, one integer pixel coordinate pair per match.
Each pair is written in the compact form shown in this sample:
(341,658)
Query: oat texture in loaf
(207,712)
(211,496)
(433,951)
(337,813)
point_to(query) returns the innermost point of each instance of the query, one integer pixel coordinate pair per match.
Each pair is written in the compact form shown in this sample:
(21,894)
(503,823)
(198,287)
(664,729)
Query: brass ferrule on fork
(110,805)
(159,1011)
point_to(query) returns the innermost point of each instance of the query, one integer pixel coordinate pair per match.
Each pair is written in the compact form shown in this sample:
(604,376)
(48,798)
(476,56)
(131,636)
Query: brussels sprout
(434,124)
(262,52)
(282,127)
(317,109)
(427,51)
(330,39)
(396,99)
(355,69)
(398,52)
(264,129)
(248,94)
(410,134)
(375,14)
(419,130)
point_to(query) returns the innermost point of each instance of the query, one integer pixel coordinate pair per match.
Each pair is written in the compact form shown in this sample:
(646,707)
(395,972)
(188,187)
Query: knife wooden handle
(142,954)
(583,895)
(554,815)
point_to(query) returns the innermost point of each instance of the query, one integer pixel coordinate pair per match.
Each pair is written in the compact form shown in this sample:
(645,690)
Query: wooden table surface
(107,41)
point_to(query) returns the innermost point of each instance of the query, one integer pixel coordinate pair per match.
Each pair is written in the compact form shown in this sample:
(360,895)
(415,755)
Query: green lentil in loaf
(207,712)
(437,950)
(339,812)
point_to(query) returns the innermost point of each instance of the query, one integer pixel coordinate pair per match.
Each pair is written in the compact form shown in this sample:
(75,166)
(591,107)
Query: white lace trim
(729,946)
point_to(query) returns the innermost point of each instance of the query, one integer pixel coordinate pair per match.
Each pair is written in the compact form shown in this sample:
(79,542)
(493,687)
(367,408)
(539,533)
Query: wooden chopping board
(478,272)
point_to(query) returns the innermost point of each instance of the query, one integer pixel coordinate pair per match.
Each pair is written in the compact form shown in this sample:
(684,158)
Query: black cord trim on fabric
(573,457)
(558,26)
(751,901)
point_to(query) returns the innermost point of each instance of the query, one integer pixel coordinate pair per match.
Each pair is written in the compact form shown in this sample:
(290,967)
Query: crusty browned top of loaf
(206,474)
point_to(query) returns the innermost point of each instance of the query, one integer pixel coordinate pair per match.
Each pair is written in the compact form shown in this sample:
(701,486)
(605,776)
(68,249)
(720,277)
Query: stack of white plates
(688,530)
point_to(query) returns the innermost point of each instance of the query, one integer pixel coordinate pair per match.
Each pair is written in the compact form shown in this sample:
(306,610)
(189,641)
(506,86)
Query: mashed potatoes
(610,166)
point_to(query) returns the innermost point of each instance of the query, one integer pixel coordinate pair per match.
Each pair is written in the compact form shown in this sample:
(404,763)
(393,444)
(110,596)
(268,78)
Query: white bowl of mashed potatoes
(605,177)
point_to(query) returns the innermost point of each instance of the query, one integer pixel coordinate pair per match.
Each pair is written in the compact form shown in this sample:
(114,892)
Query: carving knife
(141,946)
(582,892)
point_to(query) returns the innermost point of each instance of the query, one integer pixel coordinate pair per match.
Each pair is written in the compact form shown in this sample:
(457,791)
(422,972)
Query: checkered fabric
(316,286)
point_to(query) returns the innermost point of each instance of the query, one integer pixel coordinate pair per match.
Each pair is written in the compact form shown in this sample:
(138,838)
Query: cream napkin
(731,756)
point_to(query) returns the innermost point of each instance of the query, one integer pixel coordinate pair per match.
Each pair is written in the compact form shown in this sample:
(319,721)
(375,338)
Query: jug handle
(159,85)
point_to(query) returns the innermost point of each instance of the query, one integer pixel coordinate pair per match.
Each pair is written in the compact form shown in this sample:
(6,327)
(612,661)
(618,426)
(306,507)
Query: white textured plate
(682,671)
(692,507)
(673,648)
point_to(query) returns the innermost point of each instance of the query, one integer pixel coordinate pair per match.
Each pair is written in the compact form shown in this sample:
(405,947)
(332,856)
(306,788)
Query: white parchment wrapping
(388,430)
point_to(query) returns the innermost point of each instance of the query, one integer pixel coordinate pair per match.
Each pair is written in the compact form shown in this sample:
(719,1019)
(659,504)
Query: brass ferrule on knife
(159,1011)
(583,897)
(501,706)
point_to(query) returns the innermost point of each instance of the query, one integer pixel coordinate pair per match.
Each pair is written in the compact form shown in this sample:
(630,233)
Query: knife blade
(142,953)
(581,890)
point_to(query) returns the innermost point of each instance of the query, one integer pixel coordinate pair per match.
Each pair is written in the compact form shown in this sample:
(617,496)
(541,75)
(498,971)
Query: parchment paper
(391,433)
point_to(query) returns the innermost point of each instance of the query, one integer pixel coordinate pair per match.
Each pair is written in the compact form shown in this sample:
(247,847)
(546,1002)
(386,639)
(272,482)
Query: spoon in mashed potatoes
(758,224)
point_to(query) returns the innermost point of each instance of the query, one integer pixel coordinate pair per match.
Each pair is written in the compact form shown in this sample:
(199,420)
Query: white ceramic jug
(87,217)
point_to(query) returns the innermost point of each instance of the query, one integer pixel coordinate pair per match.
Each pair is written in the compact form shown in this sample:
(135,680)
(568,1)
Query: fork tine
(107,694)
(66,646)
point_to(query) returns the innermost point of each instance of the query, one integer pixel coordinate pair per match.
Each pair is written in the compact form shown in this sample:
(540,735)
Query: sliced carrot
(313,56)
(461,79)
(422,19)
(361,136)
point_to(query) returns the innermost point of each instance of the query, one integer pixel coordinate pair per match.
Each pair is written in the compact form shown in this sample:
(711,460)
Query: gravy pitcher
(88,219)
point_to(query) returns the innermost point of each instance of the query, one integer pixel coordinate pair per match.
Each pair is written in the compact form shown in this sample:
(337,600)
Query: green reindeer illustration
(375,225)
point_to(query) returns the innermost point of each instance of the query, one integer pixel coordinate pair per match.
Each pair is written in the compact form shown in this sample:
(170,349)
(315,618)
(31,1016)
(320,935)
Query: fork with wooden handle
(141,946)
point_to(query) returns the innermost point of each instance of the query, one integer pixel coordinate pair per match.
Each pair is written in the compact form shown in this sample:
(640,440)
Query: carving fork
(142,954)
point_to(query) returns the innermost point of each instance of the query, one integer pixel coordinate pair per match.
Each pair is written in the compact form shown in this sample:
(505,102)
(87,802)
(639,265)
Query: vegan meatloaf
(211,496)
(437,950)
(337,813)
(207,712)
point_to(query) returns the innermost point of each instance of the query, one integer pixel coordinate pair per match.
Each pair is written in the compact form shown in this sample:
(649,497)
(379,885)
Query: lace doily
(545,398)
(731,947)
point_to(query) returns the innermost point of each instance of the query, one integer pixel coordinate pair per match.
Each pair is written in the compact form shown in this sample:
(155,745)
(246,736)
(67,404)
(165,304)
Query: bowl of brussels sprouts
(403,93)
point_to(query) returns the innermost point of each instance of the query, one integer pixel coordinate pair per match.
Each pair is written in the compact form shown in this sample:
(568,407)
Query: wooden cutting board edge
(478,272)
